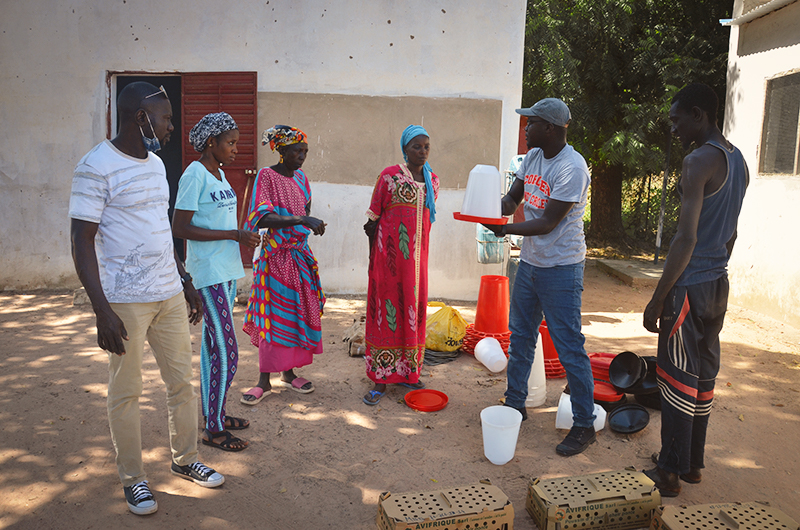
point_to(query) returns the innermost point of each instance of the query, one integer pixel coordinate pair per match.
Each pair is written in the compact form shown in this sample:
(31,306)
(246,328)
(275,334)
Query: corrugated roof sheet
(760,11)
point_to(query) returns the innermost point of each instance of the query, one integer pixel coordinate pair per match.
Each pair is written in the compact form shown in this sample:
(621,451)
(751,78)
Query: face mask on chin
(151,144)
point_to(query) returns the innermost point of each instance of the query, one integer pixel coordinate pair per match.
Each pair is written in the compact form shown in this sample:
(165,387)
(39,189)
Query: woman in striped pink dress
(283,316)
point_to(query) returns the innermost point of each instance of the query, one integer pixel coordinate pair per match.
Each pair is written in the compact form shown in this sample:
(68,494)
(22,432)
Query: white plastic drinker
(564,414)
(537,382)
(483,194)
(500,427)
(490,353)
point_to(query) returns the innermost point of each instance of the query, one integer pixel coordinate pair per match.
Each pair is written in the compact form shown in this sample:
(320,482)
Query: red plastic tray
(475,219)
(606,392)
(426,400)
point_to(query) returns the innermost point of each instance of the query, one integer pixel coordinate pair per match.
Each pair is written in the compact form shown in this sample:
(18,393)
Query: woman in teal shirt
(205,215)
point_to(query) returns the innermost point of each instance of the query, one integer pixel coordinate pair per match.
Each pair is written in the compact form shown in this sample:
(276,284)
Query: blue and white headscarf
(210,125)
(411,132)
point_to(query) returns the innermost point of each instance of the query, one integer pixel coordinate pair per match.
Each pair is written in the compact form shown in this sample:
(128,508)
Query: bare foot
(374,396)
(263,384)
(289,376)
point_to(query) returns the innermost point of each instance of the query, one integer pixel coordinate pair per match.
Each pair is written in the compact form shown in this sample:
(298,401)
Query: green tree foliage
(617,64)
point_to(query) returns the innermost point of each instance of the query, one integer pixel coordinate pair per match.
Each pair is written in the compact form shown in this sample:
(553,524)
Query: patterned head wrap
(210,125)
(411,132)
(283,135)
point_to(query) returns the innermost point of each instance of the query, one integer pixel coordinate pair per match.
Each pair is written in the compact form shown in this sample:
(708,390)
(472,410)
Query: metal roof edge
(760,11)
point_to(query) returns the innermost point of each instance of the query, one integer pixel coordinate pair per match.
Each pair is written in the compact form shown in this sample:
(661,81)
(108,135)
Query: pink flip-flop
(297,385)
(257,392)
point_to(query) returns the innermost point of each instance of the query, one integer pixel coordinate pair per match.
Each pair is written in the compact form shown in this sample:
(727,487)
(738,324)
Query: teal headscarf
(411,132)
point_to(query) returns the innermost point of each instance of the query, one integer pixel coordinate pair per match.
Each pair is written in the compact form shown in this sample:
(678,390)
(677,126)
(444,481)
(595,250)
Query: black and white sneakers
(140,499)
(201,475)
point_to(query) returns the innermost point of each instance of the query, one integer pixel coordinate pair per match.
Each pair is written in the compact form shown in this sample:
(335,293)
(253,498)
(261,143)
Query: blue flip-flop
(372,394)
(414,387)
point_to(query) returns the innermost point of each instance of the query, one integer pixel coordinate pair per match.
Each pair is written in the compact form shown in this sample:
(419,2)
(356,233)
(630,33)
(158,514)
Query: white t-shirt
(128,197)
(565,177)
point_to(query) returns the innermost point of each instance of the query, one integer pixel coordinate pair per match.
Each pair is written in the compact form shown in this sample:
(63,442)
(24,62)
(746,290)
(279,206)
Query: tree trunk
(606,204)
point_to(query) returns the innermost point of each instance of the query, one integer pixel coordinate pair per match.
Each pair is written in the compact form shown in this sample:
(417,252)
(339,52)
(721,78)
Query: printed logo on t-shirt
(224,198)
(537,182)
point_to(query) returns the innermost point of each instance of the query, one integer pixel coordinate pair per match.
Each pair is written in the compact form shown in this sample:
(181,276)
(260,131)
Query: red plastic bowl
(426,400)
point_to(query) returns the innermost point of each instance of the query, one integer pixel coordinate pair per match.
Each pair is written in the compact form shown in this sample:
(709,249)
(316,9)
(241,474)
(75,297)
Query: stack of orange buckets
(491,314)
(552,366)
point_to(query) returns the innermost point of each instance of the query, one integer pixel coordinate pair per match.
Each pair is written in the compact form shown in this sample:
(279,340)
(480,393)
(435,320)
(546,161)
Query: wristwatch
(186,278)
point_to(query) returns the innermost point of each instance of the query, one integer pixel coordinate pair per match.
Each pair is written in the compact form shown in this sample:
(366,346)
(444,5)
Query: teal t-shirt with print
(214,205)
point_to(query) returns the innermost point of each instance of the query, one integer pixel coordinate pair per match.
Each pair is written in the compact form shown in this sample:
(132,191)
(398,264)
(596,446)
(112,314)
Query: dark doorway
(170,153)
(193,95)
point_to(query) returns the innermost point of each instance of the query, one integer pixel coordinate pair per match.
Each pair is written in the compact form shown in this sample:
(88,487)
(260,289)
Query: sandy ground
(321,460)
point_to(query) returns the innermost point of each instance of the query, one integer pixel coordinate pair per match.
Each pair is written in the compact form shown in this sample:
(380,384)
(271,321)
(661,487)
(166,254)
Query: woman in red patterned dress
(400,217)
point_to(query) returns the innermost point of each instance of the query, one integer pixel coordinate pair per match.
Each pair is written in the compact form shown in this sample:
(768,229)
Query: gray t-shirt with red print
(565,177)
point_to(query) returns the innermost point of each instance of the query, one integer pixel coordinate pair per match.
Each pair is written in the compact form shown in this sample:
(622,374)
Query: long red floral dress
(398,277)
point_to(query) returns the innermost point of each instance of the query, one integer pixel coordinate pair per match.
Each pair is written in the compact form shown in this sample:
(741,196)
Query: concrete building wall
(348,147)
(765,265)
(352,138)
(361,70)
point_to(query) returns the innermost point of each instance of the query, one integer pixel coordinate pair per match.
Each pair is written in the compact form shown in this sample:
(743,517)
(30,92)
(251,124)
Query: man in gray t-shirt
(554,181)
(563,178)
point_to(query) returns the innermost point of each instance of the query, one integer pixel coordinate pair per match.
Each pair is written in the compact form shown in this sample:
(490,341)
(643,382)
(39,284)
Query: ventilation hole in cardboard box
(432,504)
(582,491)
(749,516)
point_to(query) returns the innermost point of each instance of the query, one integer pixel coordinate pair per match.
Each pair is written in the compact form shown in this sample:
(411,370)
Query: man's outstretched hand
(497,230)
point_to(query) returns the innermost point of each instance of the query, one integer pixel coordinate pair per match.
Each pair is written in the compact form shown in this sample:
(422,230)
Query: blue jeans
(555,293)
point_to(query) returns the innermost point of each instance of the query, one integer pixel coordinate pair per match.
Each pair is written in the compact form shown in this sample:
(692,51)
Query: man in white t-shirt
(554,181)
(124,256)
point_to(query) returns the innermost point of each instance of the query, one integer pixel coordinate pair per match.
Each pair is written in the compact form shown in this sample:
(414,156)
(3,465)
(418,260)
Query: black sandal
(227,444)
(236,424)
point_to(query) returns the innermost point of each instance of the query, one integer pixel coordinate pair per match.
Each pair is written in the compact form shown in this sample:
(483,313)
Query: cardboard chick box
(480,506)
(614,500)
(730,516)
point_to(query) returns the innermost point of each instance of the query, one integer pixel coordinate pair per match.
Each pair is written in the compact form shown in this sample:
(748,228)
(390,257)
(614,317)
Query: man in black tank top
(688,306)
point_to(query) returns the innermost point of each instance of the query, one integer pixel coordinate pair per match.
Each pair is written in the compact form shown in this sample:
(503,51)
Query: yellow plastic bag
(445,329)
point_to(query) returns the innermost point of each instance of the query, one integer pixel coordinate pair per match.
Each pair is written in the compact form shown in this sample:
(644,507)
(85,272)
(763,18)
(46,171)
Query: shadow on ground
(321,460)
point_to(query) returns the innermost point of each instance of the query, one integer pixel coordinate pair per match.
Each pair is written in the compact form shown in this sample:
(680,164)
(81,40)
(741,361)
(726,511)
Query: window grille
(780,137)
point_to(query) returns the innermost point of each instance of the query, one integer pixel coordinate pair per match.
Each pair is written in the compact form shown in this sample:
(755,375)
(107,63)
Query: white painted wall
(453,270)
(765,265)
(53,97)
